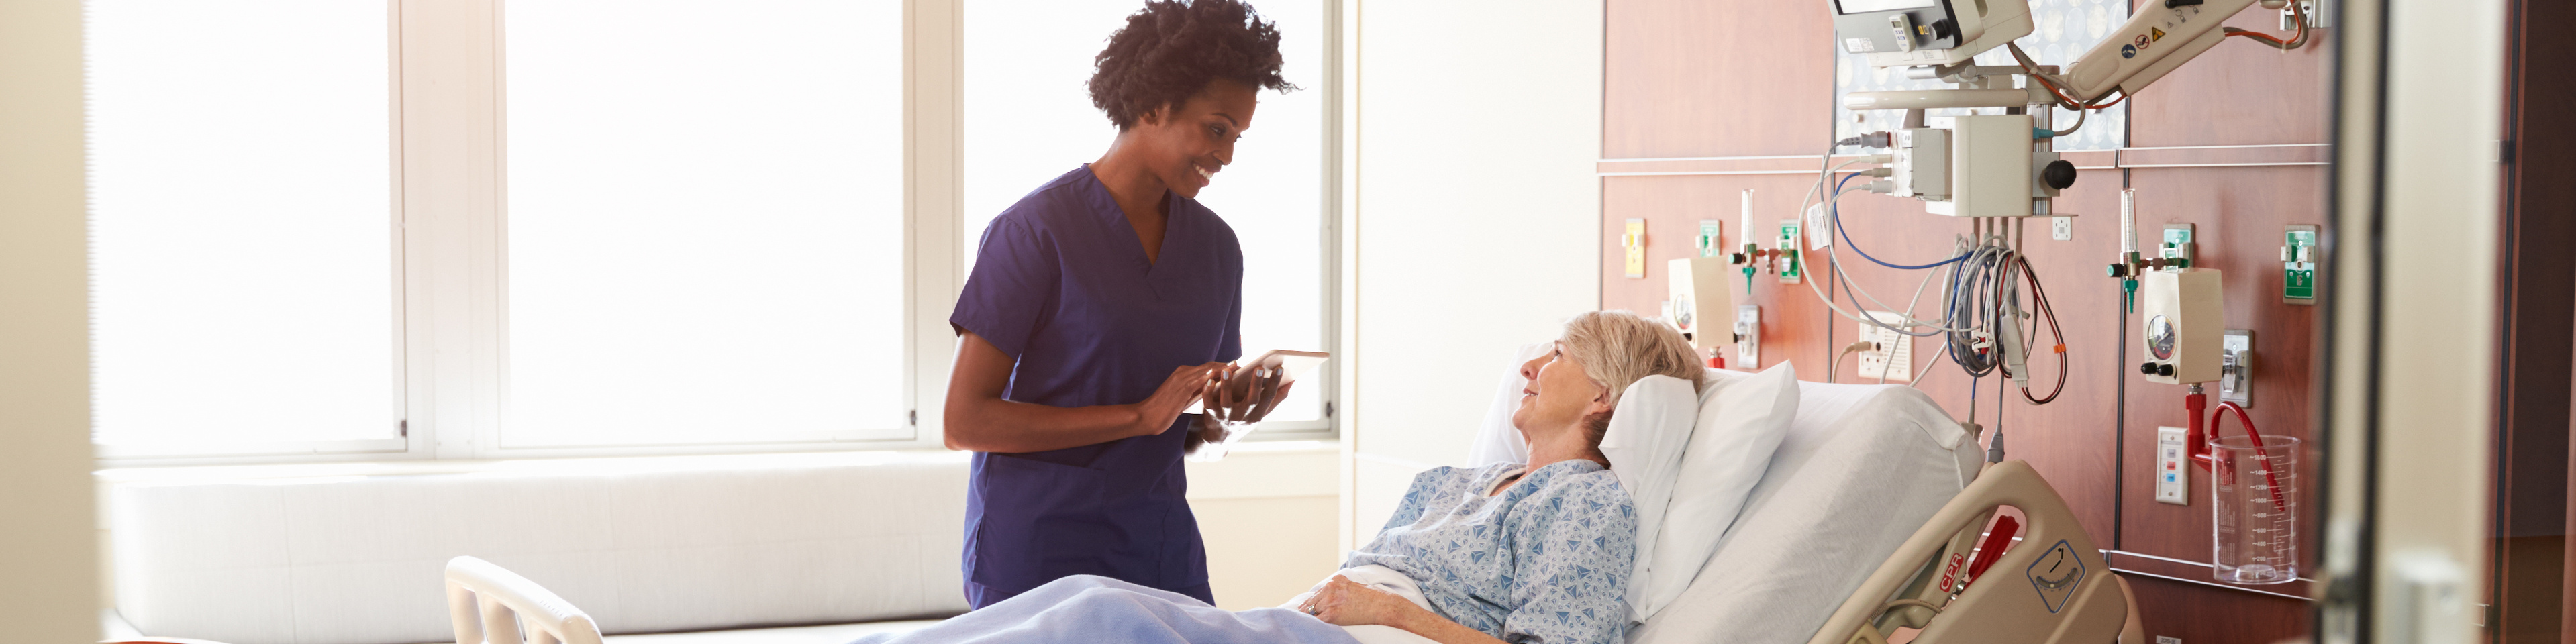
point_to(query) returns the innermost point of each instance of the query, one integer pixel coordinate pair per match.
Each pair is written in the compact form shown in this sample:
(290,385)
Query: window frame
(131,454)
(449,145)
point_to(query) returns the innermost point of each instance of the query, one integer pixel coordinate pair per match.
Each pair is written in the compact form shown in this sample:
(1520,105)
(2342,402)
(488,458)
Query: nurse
(1102,304)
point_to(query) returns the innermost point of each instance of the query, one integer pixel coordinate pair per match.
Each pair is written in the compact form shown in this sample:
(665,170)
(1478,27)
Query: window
(242,227)
(705,222)
(337,231)
(1029,118)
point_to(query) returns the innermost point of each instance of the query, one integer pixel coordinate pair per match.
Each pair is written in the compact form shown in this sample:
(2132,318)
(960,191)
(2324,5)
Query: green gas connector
(1748,279)
(2129,295)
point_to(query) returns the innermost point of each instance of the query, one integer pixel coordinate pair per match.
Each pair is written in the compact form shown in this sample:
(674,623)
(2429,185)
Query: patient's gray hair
(1617,349)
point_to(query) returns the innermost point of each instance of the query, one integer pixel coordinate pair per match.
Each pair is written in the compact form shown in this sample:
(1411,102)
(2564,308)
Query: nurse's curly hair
(1171,49)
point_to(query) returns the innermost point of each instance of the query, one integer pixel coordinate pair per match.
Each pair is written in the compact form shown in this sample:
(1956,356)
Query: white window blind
(244,294)
(1029,118)
(705,223)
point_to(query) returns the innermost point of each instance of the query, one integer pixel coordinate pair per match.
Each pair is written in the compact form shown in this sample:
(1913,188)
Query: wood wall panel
(1675,69)
(2239,213)
(2203,615)
(1676,87)
(2532,466)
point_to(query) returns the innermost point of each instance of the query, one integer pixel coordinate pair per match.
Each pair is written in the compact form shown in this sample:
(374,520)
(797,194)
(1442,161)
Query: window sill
(1254,470)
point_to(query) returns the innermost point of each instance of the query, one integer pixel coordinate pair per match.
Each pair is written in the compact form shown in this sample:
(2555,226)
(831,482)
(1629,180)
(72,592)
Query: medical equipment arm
(2163,35)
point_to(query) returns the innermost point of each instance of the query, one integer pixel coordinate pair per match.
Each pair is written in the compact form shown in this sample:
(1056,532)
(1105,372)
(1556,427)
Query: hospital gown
(1547,560)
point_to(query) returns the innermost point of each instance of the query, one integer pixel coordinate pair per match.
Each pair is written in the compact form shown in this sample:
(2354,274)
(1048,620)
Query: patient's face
(1559,394)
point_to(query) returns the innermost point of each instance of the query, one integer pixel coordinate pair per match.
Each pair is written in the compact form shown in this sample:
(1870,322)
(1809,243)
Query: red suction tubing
(2199,442)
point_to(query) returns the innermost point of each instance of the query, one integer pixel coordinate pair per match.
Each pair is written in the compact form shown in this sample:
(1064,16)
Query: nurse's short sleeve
(1013,288)
(1231,348)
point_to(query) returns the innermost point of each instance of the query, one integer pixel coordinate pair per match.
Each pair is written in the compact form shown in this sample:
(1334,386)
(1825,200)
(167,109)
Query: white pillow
(1740,424)
(1644,443)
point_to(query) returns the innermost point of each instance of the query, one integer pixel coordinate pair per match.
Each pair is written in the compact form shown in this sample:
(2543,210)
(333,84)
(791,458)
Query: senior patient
(1536,552)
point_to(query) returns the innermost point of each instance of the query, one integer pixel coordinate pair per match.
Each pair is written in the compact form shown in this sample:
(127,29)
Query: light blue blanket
(1086,608)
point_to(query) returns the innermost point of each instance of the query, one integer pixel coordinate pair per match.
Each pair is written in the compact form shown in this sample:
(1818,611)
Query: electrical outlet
(2236,366)
(1748,337)
(1893,358)
(1819,232)
(2168,639)
(2061,228)
(2173,481)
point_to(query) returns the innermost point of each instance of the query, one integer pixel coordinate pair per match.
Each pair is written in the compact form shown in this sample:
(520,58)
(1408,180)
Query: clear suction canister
(2254,508)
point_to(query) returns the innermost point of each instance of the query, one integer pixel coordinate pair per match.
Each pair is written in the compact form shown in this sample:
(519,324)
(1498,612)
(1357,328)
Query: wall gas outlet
(1748,337)
(2236,367)
(2061,228)
(2299,265)
(1892,358)
(1790,268)
(2173,481)
(1707,240)
(2177,244)
(1634,240)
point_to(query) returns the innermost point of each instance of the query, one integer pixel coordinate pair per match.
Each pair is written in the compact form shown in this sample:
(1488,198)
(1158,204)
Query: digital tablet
(1291,364)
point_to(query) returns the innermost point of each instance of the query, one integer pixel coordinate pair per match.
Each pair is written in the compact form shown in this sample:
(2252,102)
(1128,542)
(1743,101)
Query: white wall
(48,552)
(1471,220)
(1266,512)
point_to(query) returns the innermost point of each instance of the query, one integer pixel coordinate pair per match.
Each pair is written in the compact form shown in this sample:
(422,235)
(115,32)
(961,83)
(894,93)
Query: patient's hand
(1349,603)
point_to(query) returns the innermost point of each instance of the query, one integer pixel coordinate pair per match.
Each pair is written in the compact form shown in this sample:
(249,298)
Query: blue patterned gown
(1545,561)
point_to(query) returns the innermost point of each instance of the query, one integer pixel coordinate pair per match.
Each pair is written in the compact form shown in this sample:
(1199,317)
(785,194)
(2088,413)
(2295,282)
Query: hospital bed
(1872,499)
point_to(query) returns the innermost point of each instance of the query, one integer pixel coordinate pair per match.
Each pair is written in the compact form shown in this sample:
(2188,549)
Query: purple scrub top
(1061,284)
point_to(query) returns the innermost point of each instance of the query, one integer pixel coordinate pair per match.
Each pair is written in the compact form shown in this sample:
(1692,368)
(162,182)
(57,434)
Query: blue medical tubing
(1846,235)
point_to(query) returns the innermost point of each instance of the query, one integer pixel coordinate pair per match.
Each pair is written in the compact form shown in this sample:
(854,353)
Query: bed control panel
(2173,481)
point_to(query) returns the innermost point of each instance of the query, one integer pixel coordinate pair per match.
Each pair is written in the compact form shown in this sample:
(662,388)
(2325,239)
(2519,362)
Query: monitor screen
(1849,7)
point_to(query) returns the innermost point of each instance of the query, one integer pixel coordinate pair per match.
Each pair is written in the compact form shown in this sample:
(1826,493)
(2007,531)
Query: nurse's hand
(1247,395)
(1186,384)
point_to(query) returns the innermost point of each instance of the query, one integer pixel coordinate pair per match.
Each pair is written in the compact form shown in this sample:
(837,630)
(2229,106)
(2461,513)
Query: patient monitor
(1905,33)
